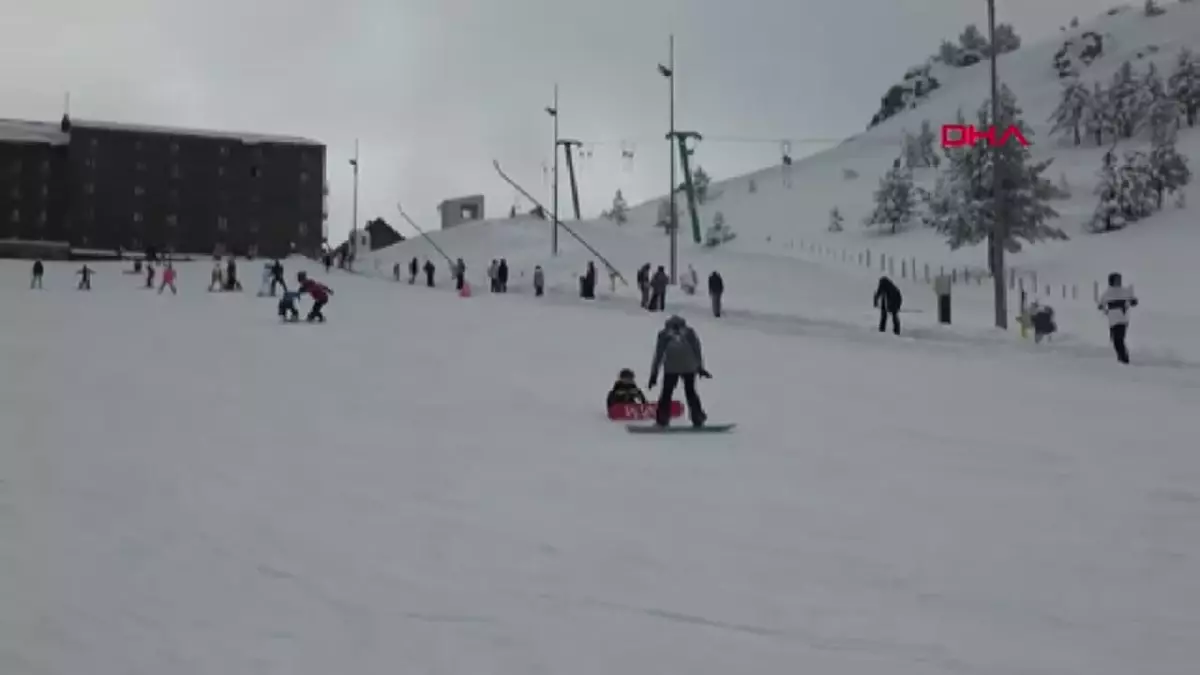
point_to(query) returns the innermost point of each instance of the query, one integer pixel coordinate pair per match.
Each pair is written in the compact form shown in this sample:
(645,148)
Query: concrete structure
(109,186)
(461,210)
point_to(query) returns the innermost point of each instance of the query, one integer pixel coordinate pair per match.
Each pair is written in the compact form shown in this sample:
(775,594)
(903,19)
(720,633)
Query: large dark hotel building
(107,186)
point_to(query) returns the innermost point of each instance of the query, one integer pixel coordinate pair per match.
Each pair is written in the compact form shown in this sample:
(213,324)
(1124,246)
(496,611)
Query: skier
(502,275)
(429,270)
(277,277)
(149,275)
(643,284)
(587,282)
(1115,302)
(460,274)
(677,351)
(539,281)
(888,300)
(625,390)
(658,290)
(716,287)
(690,281)
(287,306)
(320,294)
(38,271)
(413,268)
(218,277)
(396,272)
(168,280)
(85,277)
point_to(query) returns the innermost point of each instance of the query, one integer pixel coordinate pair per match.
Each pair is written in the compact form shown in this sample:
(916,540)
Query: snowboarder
(643,283)
(413,268)
(539,281)
(625,390)
(677,351)
(38,271)
(502,275)
(85,278)
(287,306)
(320,294)
(1115,302)
(689,281)
(218,277)
(716,287)
(587,282)
(460,274)
(429,270)
(168,280)
(658,290)
(888,299)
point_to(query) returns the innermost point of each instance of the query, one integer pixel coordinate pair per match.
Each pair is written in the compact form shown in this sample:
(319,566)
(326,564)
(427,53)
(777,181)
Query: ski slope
(426,484)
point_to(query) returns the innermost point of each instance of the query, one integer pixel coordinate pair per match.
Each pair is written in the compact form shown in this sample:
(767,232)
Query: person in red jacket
(320,294)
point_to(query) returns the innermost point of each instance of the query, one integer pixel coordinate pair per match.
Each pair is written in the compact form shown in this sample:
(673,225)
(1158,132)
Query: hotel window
(302,229)
(137,217)
(172,219)
(15,216)
(175,173)
(45,167)
(42,218)
(141,166)
(222,223)
(255,172)
(254,227)
(15,167)
(137,145)
(224,150)
(16,193)
(220,171)
(89,188)
(174,148)
(303,176)
(138,190)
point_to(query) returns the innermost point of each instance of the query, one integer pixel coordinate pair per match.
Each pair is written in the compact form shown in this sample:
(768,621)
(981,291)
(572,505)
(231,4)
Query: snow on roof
(245,137)
(22,131)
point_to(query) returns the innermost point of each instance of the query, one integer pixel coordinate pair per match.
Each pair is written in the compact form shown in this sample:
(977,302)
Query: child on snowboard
(287,306)
(625,390)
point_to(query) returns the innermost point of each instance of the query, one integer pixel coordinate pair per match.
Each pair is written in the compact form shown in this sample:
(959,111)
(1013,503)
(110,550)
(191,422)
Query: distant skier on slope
(38,271)
(429,271)
(1115,302)
(716,288)
(888,299)
(413,268)
(677,351)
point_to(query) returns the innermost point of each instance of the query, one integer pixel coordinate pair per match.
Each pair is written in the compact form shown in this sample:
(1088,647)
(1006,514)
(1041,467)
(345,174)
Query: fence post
(860,258)
(1095,291)
(1064,289)
(1035,283)
(926,272)
(954,276)
(1074,292)
(1021,284)
(903,269)
(1047,289)
(891,267)
(966,275)
(868,258)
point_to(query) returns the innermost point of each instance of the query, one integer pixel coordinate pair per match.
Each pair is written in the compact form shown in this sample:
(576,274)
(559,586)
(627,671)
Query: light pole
(999,234)
(354,214)
(668,71)
(553,112)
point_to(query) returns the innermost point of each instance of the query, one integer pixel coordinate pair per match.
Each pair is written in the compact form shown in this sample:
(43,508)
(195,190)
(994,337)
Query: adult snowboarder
(429,270)
(493,272)
(539,281)
(319,292)
(677,351)
(716,287)
(231,278)
(38,271)
(689,281)
(888,299)
(328,260)
(658,290)
(1115,302)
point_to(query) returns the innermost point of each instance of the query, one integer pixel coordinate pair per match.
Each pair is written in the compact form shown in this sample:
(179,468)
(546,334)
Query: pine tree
(1071,110)
(1184,84)
(895,200)
(620,209)
(972,40)
(1108,215)
(835,220)
(1098,119)
(926,142)
(1125,100)
(1005,39)
(1152,8)
(1168,171)
(950,54)
(700,181)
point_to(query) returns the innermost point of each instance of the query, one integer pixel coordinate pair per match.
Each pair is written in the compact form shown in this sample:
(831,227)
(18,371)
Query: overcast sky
(435,89)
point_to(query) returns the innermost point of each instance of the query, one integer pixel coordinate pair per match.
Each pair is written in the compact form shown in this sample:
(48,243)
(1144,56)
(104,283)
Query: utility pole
(999,235)
(553,112)
(668,71)
(354,214)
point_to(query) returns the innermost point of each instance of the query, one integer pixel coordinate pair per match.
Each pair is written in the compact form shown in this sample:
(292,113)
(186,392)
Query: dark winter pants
(658,301)
(166,285)
(538,291)
(315,313)
(695,410)
(1117,333)
(36,282)
(716,304)
(429,280)
(884,312)
(85,284)
(279,281)
(458,283)
(645,289)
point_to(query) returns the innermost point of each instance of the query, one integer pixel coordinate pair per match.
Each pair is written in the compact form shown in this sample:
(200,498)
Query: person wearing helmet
(320,294)
(677,351)
(625,390)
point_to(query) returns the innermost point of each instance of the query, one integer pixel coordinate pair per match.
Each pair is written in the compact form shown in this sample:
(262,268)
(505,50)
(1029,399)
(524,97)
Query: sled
(679,429)
(640,411)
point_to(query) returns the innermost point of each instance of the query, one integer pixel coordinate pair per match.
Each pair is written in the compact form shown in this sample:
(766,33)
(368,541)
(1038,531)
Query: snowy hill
(785,260)
(188,486)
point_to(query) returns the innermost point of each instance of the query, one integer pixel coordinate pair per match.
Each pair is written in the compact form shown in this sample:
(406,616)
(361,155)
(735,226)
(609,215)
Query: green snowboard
(680,429)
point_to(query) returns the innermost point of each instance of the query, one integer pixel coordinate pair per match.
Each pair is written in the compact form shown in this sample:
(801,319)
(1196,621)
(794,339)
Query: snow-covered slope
(426,484)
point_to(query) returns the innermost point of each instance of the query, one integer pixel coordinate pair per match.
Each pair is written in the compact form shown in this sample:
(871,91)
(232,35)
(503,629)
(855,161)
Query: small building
(461,210)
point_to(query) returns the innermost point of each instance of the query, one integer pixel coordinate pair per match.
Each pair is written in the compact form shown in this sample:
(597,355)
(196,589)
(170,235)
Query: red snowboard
(640,411)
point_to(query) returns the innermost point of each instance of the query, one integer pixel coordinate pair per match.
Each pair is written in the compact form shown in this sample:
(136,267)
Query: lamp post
(354,214)
(553,112)
(668,71)
(999,234)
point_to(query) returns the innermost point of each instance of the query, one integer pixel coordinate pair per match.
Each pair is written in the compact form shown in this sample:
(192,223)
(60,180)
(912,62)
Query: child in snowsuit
(168,280)
(320,294)
(625,390)
(287,306)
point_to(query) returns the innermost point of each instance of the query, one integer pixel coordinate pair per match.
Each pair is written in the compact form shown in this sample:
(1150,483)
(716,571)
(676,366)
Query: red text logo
(966,135)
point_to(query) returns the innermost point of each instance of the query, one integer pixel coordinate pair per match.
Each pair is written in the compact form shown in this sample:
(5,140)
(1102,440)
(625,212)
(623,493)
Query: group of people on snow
(653,287)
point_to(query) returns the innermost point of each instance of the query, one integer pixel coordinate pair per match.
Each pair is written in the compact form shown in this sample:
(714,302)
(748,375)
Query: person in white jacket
(689,281)
(1115,302)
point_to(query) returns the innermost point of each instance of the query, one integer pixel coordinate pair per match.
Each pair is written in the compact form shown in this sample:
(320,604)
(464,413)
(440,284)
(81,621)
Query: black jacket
(716,285)
(889,295)
(625,392)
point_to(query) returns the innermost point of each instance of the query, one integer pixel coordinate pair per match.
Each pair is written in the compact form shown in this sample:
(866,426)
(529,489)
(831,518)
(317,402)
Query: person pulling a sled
(625,390)
(320,294)
(677,351)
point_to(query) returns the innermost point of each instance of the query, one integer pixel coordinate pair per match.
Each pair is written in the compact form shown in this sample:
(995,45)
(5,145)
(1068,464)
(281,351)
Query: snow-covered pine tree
(1074,22)
(700,181)
(1184,83)
(972,40)
(950,54)
(1005,39)
(1072,108)
(911,152)
(620,209)
(895,200)
(1109,214)
(1125,101)
(1168,169)
(1097,117)
(1138,198)
(926,140)
(835,220)
(1152,8)
(663,219)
